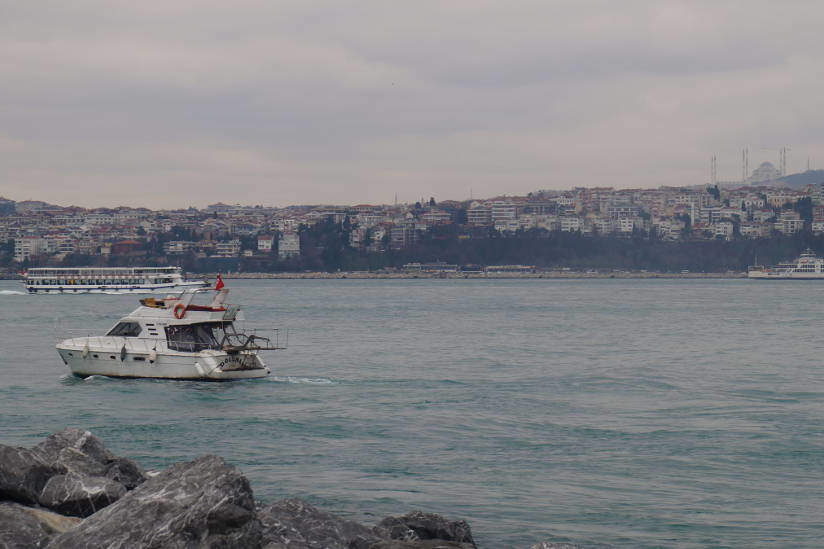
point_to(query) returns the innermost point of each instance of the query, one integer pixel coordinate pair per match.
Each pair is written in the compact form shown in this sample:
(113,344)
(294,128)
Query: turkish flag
(219,284)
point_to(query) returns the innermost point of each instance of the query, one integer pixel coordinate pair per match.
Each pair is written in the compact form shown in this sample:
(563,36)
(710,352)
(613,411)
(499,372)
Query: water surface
(640,413)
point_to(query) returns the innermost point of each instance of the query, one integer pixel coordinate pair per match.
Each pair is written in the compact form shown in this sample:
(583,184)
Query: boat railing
(256,339)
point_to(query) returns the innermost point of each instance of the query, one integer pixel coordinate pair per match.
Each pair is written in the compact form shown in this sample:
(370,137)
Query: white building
(723,229)
(229,248)
(479,216)
(503,212)
(178,247)
(288,245)
(265,243)
(31,246)
(570,223)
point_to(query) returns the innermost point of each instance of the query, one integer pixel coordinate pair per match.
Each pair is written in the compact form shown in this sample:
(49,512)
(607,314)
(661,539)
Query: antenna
(745,164)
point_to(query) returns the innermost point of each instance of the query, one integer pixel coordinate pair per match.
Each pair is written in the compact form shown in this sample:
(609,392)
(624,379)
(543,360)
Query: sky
(172,103)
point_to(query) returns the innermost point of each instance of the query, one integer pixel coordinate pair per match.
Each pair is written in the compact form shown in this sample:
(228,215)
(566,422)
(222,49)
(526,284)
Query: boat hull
(148,289)
(206,365)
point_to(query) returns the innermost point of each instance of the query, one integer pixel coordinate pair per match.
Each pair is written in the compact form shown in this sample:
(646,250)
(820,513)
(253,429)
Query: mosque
(764,173)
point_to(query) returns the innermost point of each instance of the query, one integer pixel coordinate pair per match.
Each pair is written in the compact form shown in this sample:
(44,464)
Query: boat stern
(223,366)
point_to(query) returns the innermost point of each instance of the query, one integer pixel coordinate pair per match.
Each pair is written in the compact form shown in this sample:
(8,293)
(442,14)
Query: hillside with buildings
(668,228)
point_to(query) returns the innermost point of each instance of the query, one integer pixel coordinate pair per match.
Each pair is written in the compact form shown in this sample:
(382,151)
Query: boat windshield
(197,337)
(125,329)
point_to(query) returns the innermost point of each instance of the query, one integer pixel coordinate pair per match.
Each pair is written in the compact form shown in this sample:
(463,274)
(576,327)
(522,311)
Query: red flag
(219,284)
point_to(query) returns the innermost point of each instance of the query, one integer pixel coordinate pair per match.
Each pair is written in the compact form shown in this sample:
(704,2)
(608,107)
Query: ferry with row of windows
(98,280)
(808,266)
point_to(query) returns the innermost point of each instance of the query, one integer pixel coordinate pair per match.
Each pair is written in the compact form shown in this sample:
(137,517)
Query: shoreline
(362,275)
(365,275)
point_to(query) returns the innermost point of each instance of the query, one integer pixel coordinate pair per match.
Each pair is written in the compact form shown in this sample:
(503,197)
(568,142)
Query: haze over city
(168,104)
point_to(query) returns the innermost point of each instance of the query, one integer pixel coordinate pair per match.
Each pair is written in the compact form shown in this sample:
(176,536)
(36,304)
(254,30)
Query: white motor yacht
(174,338)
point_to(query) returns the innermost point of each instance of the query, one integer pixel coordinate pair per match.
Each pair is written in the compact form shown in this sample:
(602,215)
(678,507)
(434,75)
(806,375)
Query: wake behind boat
(98,280)
(174,338)
(808,266)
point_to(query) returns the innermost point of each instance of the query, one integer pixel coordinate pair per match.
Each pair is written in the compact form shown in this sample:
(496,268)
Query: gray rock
(295,524)
(417,525)
(22,526)
(89,476)
(126,472)
(76,439)
(202,503)
(20,529)
(23,474)
(79,495)
(83,453)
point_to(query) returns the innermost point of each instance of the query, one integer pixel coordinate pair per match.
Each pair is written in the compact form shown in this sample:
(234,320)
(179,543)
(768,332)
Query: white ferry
(174,338)
(85,280)
(807,266)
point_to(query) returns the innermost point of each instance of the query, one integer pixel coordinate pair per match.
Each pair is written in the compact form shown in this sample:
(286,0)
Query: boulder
(126,472)
(19,528)
(22,526)
(82,441)
(295,524)
(81,476)
(79,495)
(83,453)
(201,503)
(417,526)
(23,474)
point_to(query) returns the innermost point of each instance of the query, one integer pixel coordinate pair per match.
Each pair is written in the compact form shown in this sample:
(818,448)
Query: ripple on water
(625,412)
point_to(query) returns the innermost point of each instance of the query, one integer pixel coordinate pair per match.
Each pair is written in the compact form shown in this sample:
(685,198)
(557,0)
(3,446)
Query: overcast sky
(171,103)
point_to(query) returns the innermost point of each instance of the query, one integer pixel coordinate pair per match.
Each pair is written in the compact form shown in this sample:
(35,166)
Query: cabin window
(125,329)
(195,337)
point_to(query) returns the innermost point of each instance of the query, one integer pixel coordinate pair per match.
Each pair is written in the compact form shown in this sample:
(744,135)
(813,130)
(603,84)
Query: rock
(295,524)
(79,495)
(202,503)
(19,528)
(417,525)
(126,472)
(83,453)
(22,526)
(87,476)
(76,439)
(23,474)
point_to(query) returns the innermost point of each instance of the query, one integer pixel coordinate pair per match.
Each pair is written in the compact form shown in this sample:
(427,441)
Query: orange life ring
(179,311)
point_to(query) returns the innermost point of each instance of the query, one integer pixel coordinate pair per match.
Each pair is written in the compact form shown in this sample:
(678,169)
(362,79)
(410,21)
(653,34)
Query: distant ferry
(98,280)
(806,267)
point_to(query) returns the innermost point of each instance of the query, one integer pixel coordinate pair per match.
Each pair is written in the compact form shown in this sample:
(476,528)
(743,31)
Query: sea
(635,413)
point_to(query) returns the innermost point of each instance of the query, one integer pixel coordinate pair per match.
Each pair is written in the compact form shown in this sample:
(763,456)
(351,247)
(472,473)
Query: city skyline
(290,103)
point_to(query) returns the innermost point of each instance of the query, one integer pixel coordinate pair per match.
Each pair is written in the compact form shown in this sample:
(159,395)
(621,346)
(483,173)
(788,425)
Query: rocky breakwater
(69,491)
